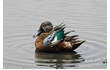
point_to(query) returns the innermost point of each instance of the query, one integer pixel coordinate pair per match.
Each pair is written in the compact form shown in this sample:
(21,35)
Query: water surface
(21,19)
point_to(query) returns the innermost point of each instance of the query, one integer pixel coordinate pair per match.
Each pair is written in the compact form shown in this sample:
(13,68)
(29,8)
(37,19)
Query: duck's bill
(37,33)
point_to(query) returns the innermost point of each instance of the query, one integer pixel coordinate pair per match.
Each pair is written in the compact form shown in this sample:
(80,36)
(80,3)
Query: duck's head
(44,27)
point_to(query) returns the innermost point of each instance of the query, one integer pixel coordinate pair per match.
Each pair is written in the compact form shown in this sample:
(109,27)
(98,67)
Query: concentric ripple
(94,50)
(86,17)
(18,51)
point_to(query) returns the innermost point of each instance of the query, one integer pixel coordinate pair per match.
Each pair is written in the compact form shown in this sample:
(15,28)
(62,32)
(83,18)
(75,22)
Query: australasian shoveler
(51,39)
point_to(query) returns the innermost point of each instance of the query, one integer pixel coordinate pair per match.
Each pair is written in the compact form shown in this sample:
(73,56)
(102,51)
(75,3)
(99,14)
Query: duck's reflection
(58,60)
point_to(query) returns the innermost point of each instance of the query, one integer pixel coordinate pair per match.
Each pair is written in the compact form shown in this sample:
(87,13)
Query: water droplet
(105,61)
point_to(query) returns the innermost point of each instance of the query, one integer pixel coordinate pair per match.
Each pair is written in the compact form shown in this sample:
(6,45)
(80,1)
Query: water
(21,19)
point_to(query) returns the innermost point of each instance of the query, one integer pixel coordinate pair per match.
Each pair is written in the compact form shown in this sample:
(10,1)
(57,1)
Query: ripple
(94,50)
(18,50)
(86,17)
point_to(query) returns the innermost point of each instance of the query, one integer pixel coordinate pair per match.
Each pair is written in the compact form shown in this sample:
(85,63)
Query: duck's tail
(76,43)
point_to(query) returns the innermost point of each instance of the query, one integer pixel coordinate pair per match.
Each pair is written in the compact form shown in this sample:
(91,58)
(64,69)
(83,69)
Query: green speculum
(60,35)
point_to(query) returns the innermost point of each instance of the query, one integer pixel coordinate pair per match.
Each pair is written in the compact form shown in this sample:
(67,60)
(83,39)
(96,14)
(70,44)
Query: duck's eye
(44,25)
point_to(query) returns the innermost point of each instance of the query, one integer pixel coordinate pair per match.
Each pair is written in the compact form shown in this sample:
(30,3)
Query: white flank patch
(68,44)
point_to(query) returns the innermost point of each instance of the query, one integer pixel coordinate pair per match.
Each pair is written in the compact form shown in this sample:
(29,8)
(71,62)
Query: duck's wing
(49,39)
(69,38)
(68,32)
(56,37)
(59,27)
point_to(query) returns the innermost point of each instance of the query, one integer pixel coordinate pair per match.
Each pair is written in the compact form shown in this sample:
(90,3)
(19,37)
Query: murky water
(21,19)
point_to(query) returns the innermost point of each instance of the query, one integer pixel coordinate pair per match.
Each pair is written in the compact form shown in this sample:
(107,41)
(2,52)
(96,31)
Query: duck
(55,39)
